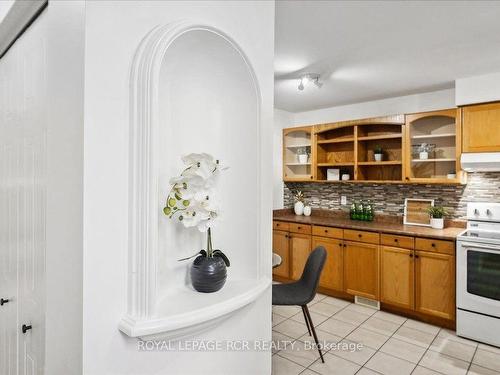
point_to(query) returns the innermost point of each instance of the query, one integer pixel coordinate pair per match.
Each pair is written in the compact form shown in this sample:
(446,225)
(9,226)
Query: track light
(309,78)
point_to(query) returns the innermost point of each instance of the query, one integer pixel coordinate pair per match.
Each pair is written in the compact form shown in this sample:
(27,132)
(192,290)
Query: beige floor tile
(350,316)
(336,301)
(366,371)
(489,348)
(453,348)
(424,327)
(300,353)
(451,335)
(280,341)
(308,372)
(488,359)
(380,326)
(277,319)
(325,339)
(389,365)
(478,370)
(403,350)
(337,327)
(414,336)
(282,366)
(368,338)
(318,297)
(334,366)
(316,318)
(291,328)
(348,350)
(419,370)
(361,309)
(389,317)
(444,364)
(286,311)
(324,309)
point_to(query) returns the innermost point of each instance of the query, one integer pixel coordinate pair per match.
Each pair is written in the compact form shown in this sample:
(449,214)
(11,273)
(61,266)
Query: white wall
(282,120)
(478,89)
(113,32)
(403,104)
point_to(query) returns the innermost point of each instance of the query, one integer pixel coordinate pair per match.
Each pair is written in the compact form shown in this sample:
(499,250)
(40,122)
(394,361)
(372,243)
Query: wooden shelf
(341,164)
(339,140)
(381,163)
(381,136)
(431,160)
(429,136)
(295,164)
(298,146)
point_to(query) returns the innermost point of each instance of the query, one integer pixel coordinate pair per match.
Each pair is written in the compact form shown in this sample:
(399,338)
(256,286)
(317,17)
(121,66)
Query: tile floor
(389,344)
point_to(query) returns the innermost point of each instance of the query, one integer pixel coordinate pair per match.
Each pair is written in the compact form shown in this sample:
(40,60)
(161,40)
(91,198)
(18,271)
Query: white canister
(378,157)
(298,208)
(424,155)
(302,158)
(345,177)
(437,223)
(307,210)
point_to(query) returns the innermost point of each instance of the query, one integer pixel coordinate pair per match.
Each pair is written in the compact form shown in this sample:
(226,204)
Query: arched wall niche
(192,90)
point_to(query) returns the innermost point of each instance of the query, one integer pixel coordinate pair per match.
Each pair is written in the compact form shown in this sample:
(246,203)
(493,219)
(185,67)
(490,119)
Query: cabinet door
(332,275)
(397,276)
(435,284)
(361,269)
(280,247)
(481,128)
(300,247)
(297,154)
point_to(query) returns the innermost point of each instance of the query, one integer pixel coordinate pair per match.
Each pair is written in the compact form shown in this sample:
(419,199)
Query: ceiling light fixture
(309,78)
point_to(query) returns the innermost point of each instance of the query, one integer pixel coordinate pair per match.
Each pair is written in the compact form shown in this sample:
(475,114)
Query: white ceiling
(367,50)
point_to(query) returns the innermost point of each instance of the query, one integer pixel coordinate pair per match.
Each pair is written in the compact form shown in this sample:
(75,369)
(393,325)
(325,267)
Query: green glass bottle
(352,212)
(359,211)
(369,211)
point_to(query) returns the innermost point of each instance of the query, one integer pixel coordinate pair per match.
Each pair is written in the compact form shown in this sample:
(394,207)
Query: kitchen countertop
(382,224)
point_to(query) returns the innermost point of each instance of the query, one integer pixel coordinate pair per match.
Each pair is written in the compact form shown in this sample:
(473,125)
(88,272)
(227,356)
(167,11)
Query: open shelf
(342,140)
(432,160)
(380,137)
(297,164)
(299,146)
(335,164)
(381,163)
(297,141)
(431,136)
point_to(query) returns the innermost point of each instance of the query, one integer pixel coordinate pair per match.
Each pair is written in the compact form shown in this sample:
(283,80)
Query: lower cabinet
(300,248)
(361,269)
(332,276)
(397,277)
(435,284)
(282,248)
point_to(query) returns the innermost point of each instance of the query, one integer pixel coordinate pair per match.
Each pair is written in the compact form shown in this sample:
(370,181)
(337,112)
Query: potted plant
(423,151)
(378,153)
(192,201)
(298,207)
(302,155)
(437,216)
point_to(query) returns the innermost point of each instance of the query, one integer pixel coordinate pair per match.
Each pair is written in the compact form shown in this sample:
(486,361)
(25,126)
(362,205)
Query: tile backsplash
(389,198)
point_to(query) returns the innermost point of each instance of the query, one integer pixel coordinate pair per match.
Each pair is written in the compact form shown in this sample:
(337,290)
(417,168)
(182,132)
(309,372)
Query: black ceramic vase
(208,271)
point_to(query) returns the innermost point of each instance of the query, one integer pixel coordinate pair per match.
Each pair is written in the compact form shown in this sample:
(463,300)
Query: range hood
(481,162)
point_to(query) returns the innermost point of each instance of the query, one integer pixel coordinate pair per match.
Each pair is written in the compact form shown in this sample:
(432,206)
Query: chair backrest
(312,270)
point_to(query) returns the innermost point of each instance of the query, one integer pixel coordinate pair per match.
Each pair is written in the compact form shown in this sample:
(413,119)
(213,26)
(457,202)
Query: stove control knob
(476,212)
(488,212)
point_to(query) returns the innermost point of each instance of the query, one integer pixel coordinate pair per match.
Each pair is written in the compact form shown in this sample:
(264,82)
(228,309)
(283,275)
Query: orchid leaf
(218,253)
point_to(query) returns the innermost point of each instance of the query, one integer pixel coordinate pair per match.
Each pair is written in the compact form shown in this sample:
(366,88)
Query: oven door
(478,278)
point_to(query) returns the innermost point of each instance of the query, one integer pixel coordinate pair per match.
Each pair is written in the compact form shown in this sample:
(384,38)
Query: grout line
(470,363)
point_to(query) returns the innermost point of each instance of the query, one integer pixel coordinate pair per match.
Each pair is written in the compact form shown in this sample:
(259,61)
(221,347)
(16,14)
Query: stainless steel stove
(478,274)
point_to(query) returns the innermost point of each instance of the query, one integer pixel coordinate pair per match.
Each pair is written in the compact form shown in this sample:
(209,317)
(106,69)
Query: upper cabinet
(297,154)
(433,147)
(481,128)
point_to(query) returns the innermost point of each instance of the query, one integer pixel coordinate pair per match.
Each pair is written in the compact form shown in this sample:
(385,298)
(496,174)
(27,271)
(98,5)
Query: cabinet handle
(396,240)
(360,235)
(433,244)
(407,178)
(340,244)
(3,301)
(298,228)
(416,256)
(345,245)
(26,328)
(411,255)
(277,225)
(326,230)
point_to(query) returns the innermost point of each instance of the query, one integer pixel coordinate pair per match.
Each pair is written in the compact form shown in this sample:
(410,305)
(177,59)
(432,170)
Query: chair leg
(307,320)
(313,331)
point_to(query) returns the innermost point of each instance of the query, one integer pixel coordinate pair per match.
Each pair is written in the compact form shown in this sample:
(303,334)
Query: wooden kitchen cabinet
(397,276)
(361,269)
(332,275)
(435,284)
(481,128)
(300,247)
(282,248)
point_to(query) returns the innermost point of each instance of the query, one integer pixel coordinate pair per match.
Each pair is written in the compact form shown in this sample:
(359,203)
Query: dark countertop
(382,224)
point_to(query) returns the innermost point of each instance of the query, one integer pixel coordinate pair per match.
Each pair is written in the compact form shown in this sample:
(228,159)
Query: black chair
(302,292)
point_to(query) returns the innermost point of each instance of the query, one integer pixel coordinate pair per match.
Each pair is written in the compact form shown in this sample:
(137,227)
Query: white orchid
(191,197)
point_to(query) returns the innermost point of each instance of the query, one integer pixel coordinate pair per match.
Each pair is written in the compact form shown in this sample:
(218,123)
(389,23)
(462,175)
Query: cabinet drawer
(361,236)
(437,246)
(281,225)
(327,232)
(397,241)
(300,228)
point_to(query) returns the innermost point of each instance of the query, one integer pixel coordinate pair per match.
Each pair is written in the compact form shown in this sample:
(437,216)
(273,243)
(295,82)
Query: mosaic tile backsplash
(389,199)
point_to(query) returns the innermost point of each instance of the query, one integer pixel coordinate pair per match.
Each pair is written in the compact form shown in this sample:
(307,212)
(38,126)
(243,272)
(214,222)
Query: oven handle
(478,246)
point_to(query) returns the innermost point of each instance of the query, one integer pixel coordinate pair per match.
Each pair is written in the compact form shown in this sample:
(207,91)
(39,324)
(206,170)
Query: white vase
(299,208)
(307,210)
(378,157)
(302,158)
(423,155)
(437,223)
